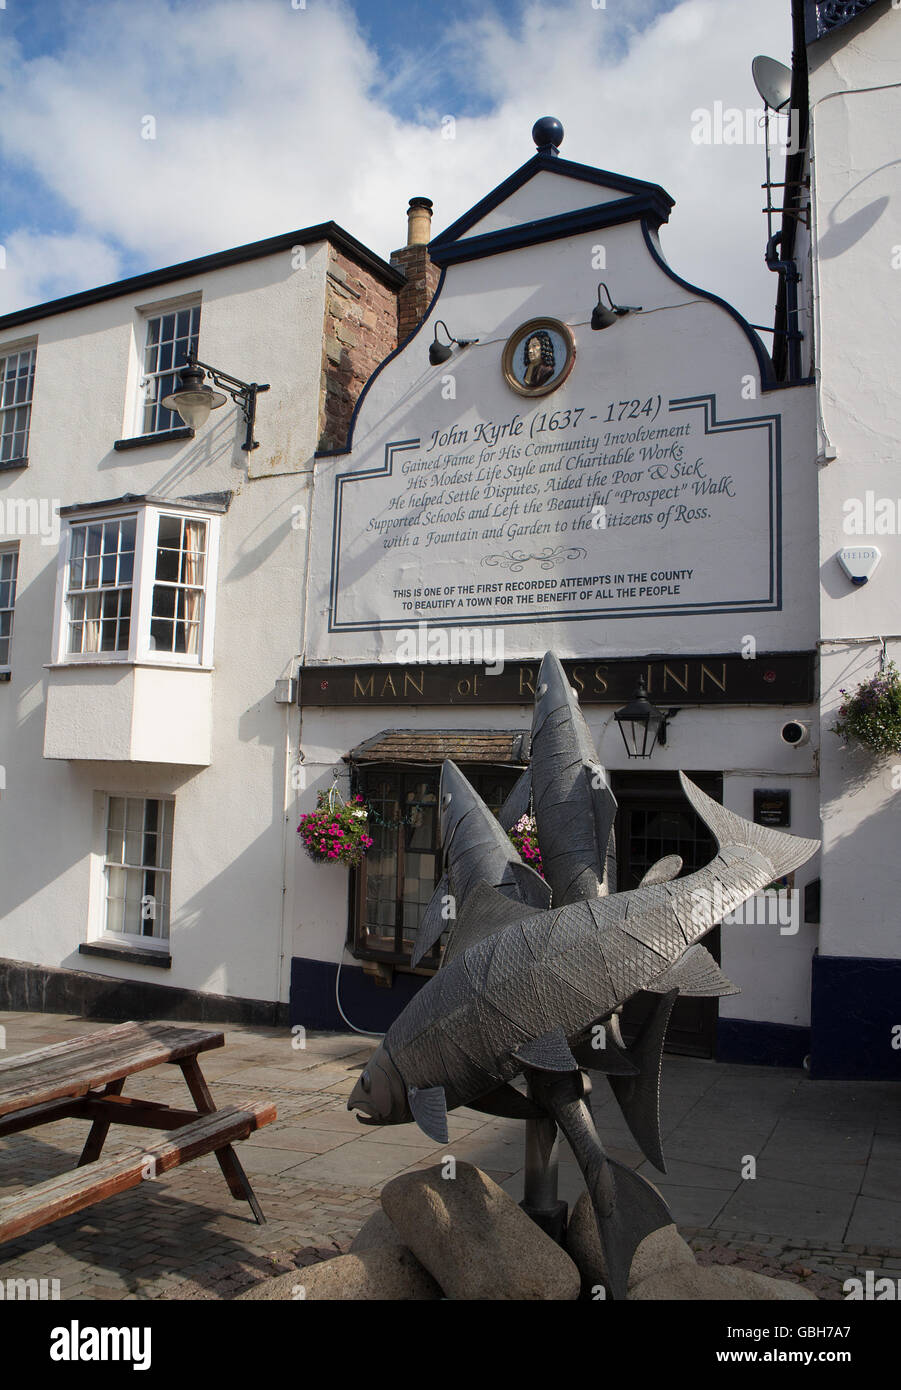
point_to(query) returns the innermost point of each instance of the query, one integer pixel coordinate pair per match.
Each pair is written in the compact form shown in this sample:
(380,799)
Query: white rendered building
(652,496)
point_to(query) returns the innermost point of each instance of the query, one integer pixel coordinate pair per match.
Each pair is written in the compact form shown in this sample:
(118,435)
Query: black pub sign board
(780,678)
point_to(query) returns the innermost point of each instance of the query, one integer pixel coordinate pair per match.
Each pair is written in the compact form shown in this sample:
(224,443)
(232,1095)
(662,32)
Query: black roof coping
(253,250)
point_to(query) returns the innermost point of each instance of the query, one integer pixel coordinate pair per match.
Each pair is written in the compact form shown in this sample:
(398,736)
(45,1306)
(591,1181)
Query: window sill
(14,463)
(391,959)
(88,665)
(161,437)
(135,955)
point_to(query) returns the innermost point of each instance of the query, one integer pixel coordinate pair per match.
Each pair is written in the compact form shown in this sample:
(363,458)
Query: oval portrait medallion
(538,357)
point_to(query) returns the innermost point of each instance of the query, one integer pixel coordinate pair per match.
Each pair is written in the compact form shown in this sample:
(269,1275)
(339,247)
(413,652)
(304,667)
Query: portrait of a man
(538,357)
(539,360)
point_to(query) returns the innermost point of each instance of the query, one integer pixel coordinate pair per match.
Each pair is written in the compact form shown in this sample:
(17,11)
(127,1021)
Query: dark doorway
(654,819)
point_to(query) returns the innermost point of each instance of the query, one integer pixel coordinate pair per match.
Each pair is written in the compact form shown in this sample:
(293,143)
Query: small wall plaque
(772,807)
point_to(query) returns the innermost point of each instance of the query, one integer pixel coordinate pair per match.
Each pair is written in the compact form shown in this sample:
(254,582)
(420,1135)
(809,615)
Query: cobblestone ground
(317,1175)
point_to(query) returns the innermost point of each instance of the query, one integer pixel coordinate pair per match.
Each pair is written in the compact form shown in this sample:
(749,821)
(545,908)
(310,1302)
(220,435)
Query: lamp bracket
(667,716)
(244,393)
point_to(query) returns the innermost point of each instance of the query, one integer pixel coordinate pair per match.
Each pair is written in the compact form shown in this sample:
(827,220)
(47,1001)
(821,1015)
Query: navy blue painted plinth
(855,1005)
(761,1044)
(367,1005)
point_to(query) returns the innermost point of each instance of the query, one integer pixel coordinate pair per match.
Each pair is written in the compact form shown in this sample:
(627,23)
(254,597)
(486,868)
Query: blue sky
(138,134)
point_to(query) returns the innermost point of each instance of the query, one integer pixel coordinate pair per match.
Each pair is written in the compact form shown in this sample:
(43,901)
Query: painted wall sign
(777,679)
(600,508)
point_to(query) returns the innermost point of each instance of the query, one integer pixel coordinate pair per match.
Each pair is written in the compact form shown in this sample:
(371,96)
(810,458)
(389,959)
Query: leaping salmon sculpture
(525,989)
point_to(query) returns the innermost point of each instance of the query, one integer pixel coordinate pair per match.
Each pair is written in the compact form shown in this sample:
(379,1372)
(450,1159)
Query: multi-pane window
(101,573)
(138,865)
(170,338)
(178,585)
(16,386)
(9,567)
(138,586)
(397,877)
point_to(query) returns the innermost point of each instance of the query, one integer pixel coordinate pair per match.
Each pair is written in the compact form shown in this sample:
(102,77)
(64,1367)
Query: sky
(136,135)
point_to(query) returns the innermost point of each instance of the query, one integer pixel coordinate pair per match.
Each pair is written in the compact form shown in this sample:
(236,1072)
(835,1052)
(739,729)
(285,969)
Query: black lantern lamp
(604,317)
(440,352)
(193,400)
(642,724)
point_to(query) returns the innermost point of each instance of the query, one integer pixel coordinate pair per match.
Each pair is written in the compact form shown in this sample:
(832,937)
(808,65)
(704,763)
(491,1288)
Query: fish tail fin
(784,852)
(638,1210)
(626,1207)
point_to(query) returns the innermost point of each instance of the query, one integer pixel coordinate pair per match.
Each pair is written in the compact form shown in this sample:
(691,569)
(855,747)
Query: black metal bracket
(661,734)
(243,393)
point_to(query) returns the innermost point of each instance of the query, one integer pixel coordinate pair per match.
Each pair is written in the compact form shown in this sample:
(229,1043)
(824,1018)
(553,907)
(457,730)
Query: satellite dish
(773,81)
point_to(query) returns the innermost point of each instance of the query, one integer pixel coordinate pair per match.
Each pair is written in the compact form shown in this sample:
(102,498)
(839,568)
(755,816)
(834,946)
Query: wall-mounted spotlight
(440,352)
(642,724)
(193,401)
(603,317)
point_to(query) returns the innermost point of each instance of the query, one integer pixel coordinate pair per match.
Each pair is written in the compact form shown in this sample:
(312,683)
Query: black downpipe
(791,276)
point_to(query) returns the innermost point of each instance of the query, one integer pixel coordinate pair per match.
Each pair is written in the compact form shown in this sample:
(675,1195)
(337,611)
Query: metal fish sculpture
(528,990)
(574,806)
(567,786)
(515,980)
(517,986)
(475,849)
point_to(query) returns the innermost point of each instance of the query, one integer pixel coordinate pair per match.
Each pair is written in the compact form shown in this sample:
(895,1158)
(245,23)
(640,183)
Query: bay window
(137,583)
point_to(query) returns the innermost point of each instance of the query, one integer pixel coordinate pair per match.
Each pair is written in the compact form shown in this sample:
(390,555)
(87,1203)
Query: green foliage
(871,714)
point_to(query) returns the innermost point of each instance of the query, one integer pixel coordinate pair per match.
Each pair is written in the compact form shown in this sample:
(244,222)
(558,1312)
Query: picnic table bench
(83,1078)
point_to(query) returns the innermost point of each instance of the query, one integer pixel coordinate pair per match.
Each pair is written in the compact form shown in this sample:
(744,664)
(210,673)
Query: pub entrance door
(654,819)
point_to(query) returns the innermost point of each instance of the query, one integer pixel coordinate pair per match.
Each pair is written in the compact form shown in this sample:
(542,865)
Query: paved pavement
(820,1202)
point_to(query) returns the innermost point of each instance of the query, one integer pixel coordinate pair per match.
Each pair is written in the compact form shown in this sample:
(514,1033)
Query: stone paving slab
(788,1209)
(825,1206)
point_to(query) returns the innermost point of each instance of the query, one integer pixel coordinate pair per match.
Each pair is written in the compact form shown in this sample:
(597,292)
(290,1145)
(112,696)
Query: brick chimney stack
(422,275)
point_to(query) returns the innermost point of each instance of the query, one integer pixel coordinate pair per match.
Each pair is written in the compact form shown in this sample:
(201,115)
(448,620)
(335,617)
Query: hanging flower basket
(336,832)
(871,714)
(524,837)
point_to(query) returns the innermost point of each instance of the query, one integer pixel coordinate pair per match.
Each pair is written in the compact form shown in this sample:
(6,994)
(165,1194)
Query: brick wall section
(360,330)
(416,295)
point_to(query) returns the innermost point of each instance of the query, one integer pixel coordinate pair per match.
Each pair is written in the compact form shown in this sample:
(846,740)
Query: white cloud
(269,118)
(43,266)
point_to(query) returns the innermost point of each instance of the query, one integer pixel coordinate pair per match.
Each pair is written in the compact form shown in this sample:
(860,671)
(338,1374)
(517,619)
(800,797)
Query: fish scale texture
(573,964)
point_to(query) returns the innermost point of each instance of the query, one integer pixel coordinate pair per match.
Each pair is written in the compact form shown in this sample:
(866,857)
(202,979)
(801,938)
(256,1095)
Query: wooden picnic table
(83,1078)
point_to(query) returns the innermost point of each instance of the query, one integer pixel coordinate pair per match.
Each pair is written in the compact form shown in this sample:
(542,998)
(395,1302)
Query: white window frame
(13,549)
(16,349)
(140,652)
(98,930)
(146,313)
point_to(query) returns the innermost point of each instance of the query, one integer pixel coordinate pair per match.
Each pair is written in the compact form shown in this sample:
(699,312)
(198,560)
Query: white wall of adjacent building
(855,100)
(261,320)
